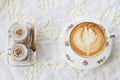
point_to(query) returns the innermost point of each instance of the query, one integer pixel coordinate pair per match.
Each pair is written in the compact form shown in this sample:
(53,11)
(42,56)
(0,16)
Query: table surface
(49,18)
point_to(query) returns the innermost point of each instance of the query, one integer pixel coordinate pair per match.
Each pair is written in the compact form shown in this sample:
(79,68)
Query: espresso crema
(87,39)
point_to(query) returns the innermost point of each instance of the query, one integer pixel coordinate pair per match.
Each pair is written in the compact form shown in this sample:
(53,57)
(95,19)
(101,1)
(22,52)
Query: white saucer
(77,61)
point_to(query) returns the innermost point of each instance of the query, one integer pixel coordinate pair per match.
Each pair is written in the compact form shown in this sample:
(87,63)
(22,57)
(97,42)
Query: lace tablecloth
(49,18)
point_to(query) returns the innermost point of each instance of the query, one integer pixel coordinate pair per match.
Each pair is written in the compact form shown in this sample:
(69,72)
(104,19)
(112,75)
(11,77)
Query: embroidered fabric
(50,17)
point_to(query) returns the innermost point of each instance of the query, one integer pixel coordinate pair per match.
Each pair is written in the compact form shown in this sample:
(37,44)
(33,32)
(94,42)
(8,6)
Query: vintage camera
(22,44)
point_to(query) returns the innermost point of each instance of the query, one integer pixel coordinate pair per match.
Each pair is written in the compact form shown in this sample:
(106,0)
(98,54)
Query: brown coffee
(88,39)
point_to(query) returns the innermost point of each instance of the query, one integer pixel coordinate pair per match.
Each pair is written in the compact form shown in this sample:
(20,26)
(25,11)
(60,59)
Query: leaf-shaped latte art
(87,39)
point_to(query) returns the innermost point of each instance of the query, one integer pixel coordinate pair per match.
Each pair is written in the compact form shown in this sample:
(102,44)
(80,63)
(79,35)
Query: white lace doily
(50,17)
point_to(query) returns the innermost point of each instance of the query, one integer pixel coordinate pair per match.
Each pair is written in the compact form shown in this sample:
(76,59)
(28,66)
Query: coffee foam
(87,39)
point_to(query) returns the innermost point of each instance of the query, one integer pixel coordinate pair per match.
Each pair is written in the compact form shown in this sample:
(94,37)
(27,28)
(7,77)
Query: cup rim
(105,37)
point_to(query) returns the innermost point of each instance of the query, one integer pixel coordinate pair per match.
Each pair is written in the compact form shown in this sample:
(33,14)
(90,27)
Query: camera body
(20,44)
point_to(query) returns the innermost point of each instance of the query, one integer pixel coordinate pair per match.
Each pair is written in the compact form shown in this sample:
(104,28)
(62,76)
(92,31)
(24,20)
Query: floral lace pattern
(3,56)
(48,33)
(52,33)
(77,11)
(47,4)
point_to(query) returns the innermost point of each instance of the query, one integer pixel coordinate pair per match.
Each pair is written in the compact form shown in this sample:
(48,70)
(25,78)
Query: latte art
(87,39)
(84,40)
